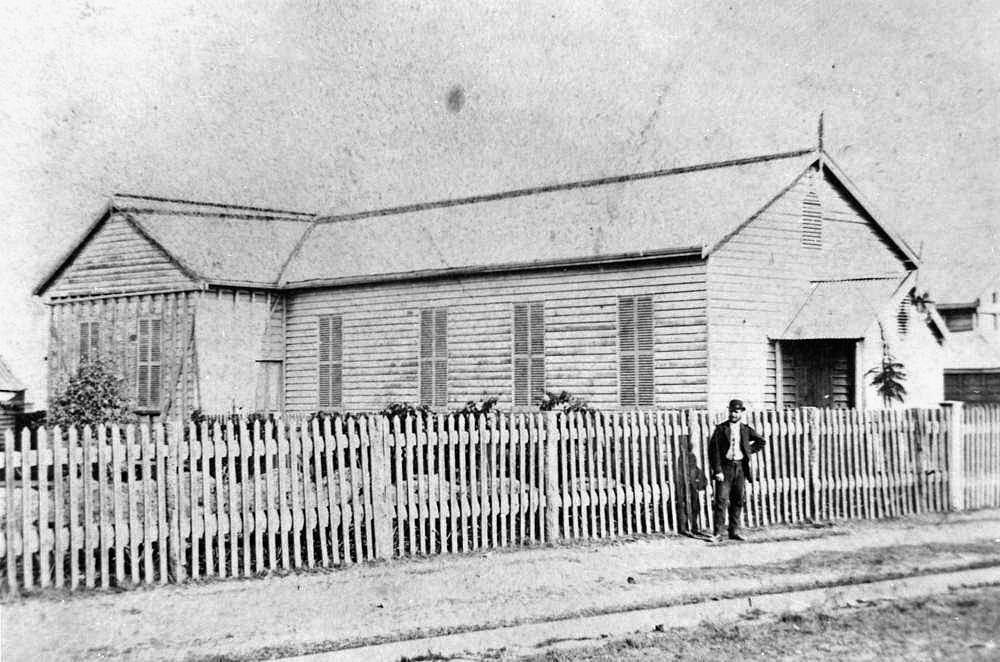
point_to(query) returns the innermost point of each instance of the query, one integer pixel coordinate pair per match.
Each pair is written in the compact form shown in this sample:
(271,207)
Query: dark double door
(819,373)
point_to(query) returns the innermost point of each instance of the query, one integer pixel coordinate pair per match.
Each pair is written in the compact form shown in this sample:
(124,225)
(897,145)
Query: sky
(332,107)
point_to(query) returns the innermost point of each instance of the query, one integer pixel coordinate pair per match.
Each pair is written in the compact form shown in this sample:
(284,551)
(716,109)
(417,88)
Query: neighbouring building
(11,398)
(971,308)
(767,278)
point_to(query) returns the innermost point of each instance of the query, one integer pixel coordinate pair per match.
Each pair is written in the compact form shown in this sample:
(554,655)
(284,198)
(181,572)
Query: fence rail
(157,504)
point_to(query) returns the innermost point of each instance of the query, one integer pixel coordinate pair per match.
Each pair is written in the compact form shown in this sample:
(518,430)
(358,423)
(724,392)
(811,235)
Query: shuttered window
(812,221)
(635,350)
(434,357)
(330,368)
(903,317)
(148,379)
(90,341)
(529,353)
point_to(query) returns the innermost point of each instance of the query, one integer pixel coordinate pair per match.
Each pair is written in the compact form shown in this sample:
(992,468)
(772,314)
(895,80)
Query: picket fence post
(815,492)
(956,454)
(382,511)
(551,459)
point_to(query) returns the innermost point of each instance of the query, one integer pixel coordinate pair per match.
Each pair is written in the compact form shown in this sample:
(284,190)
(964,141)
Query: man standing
(729,452)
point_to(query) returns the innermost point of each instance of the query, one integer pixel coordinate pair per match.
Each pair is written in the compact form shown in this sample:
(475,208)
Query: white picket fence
(156,504)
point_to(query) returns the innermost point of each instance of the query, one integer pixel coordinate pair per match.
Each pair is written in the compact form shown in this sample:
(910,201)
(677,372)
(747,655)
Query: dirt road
(310,612)
(961,625)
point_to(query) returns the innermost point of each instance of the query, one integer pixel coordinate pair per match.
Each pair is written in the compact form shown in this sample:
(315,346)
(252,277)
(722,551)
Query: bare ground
(327,610)
(960,625)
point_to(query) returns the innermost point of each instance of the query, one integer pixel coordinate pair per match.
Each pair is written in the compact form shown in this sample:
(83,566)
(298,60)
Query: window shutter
(441,357)
(812,221)
(149,368)
(522,384)
(529,353)
(644,351)
(330,365)
(903,316)
(626,351)
(427,356)
(537,351)
(95,340)
(89,341)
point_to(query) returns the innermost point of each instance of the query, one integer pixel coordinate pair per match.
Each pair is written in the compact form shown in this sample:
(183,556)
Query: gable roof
(210,242)
(646,214)
(842,309)
(691,210)
(971,350)
(958,283)
(8,382)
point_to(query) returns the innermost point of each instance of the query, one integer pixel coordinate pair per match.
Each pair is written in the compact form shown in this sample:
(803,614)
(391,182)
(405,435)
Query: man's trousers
(729,497)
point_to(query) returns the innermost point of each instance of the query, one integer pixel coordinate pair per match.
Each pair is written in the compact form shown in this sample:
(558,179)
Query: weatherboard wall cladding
(118,321)
(381,326)
(757,280)
(118,259)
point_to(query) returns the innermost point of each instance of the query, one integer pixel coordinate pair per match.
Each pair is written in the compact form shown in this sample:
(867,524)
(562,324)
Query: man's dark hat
(736,405)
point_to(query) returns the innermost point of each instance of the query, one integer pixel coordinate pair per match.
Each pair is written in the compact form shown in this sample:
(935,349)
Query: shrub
(562,401)
(93,396)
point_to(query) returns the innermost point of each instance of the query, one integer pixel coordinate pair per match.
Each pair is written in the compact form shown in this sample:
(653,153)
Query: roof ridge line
(566,186)
(249,216)
(204,203)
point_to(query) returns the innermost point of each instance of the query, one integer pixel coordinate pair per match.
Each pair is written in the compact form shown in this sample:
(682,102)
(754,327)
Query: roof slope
(8,382)
(211,242)
(971,350)
(842,309)
(693,209)
(649,213)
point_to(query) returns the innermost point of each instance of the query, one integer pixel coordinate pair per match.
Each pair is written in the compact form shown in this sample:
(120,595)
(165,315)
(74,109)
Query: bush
(562,401)
(93,396)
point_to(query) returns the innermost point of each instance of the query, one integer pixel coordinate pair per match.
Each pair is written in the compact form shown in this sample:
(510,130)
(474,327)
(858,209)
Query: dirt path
(325,610)
(959,625)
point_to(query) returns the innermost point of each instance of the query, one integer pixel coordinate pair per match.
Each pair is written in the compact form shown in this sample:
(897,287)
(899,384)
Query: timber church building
(767,278)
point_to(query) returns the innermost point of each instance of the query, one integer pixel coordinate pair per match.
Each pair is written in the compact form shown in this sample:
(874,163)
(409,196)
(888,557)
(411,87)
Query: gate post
(551,476)
(381,511)
(956,454)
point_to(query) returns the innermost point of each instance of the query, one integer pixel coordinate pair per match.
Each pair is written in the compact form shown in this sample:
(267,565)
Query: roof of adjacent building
(688,210)
(842,309)
(8,382)
(971,350)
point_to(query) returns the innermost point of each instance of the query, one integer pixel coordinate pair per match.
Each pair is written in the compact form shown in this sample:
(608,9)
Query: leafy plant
(563,401)
(889,375)
(484,407)
(93,396)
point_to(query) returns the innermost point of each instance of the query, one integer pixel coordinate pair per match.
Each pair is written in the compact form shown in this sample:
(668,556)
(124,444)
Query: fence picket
(202,446)
(59,540)
(11,522)
(248,523)
(367,493)
(322,512)
(294,493)
(73,452)
(333,503)
(260,504)
(149,528)
(134,526)
(271,495)
(502,478)
(42,512)
(232,449)
(477,460)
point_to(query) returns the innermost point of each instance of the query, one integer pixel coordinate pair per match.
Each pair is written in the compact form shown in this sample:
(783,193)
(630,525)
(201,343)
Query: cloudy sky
(321,106)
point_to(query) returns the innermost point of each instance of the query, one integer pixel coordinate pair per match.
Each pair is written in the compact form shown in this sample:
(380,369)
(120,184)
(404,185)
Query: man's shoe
(735,535)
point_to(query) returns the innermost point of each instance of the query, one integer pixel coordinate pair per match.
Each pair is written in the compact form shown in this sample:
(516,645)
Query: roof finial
(820,132)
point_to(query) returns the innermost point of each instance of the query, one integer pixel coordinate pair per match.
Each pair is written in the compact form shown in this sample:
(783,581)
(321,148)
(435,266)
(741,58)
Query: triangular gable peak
(116,256)
(824,173)
(144,243)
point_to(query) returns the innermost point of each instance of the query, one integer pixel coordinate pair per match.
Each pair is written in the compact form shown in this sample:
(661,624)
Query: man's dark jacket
(718,446)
